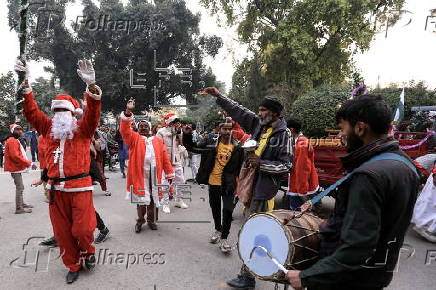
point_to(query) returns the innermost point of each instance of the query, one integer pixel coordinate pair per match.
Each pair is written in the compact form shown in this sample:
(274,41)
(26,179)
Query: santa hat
(12,127)
(171,117)
(66,102)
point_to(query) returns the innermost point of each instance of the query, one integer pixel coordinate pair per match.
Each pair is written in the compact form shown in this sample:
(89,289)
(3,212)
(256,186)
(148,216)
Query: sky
(408,51)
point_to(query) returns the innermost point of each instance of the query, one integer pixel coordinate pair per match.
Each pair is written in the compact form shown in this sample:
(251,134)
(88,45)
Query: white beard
(63,125)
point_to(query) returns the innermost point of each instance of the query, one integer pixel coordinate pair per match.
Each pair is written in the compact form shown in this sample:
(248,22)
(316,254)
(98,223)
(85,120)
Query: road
(178,255)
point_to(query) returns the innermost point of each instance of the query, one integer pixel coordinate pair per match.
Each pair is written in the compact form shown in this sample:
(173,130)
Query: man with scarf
(72,210)
(272,158)
(361,240)
(148,160)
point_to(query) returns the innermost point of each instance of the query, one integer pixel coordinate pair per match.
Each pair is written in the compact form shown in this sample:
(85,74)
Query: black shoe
(171,197)
(90,262)
(242,282)
(152,226)
(102,236)
(138,227)
(50,242)
(124,175)
(72,276)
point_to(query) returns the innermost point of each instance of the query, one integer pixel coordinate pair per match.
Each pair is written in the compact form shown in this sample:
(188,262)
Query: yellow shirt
(222,157)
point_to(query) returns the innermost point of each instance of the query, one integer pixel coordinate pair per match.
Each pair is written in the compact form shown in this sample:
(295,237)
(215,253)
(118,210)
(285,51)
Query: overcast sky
(408,52)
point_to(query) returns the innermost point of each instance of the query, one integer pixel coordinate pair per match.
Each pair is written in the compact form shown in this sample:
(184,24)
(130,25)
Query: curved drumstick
(280,266)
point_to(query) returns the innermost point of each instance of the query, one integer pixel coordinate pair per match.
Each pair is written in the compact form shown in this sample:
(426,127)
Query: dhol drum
(290,237)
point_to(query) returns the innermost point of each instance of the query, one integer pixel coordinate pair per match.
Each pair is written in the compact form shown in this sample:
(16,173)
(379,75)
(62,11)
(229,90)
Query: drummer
(272,158)
(219,170)
(361,241)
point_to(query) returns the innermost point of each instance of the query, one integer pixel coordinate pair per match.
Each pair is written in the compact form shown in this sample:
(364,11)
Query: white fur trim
(170,119)
(125,118)
(27,90)
(62,104)
(78,111)
(13,128)
(303,194)
(95,97)
(78,189)
(170,176)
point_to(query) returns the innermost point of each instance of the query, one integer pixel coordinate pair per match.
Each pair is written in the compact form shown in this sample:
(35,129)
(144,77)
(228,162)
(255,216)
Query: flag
(399,113)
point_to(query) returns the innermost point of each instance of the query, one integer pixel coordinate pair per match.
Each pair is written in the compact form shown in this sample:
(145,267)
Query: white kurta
(424,213)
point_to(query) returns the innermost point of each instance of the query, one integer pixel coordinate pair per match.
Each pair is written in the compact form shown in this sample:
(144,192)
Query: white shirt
(149,164)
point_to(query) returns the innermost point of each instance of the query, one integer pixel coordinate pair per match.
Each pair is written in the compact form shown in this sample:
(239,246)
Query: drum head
(266,231)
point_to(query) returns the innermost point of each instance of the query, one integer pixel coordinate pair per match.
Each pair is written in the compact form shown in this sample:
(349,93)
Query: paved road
(178,255)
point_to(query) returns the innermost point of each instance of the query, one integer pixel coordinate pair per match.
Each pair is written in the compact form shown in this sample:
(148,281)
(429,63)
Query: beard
(265,120)
(63,126)
(353,143)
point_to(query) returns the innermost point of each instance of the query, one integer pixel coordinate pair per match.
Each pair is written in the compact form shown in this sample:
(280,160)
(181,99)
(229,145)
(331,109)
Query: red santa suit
(15,156)
(42,152)
(143,161)
(303,178)
(72,210)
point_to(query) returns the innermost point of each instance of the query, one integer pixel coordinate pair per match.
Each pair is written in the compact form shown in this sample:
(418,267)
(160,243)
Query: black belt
(59,179)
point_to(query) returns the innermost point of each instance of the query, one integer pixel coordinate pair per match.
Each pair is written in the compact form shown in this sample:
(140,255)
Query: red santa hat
(12,127)
(171,117)
(66,102)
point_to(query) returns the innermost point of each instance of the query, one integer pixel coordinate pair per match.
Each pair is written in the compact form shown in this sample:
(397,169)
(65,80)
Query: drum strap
(383,156)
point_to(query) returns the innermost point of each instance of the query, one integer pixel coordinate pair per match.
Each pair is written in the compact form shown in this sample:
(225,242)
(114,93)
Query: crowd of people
(374,206)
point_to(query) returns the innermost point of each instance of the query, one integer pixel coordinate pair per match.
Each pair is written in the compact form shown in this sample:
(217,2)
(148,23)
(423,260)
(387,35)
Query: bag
(244,188)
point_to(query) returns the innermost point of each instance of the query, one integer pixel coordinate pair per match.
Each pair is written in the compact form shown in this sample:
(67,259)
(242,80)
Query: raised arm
(91,116)
(248,120)
(126,118)
(36,118)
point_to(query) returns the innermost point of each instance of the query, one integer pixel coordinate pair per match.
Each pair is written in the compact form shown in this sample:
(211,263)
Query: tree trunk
(21,75)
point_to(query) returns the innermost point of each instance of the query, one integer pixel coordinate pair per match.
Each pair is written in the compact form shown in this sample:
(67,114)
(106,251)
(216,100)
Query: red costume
(72,211)
(15,156)
(136,144)
(42,152)
(303,178)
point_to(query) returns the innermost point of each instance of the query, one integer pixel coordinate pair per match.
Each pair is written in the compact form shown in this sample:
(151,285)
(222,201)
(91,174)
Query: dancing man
(171,135)
(271,159)
(148,160)
(220,170)
(72,210)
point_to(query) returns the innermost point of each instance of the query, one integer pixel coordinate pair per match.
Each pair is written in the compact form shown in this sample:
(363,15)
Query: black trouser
(215,196)
(100,224)
(34,153)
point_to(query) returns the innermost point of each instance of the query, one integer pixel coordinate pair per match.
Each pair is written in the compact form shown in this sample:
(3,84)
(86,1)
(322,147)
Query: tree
(167,31)
(298,45)
(7,112)
(317,109)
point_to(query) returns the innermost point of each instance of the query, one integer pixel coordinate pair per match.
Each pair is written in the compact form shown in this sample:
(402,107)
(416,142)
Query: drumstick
(202,93)
(280,266)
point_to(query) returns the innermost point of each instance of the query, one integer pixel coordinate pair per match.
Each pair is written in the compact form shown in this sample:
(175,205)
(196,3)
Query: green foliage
(419,122)
(115,52)
(415,94)
(317,109)
(298,45)
(7,96)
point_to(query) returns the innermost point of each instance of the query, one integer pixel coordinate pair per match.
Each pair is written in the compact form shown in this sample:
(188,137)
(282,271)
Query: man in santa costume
(148,160)
(171,135)
(16,162)
(72,210)
(303,179)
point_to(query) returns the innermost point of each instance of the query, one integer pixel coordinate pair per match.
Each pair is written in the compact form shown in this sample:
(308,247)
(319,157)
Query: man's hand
(254,160)
(36,183)
(212,91)
(86,71)
(293,277)
(34,166)
(20,66)
(306,206)
(130,106)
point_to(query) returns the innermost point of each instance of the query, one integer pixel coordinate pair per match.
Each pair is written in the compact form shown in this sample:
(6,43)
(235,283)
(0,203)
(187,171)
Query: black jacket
(275,160)
(360,242)
(208,154)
